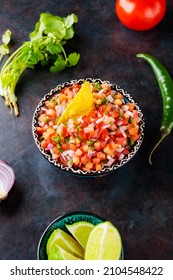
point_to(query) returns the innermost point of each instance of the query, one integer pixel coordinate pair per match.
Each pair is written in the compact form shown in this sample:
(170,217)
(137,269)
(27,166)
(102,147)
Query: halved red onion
(7,179)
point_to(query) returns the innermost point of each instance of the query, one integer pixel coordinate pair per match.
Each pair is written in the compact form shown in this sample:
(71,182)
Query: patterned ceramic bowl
(60,222)
(107,168)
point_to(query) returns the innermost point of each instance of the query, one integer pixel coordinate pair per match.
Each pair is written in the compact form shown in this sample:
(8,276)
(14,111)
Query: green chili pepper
(165,83)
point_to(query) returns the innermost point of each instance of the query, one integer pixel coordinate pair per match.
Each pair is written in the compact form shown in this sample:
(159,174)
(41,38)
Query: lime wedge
(58,253)
(104,243)
(81,231)
(81,105)
(62,239)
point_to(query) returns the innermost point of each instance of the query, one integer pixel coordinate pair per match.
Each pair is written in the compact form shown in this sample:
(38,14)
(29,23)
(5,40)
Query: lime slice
(81,105)
(62,239)
(104,243)
(81,231)
(58,253)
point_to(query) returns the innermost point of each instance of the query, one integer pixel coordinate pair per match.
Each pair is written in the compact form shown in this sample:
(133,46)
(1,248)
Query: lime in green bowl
(62,222)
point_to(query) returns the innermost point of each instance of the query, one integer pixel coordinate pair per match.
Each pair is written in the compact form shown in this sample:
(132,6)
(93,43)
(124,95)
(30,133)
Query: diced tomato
(113,127)
(98,167)
(101,155)
(118,133)
(134,137)
(114,114)
(96,160)
(76,87)
(86,119)
(55,150)
(98,146)
(118,102)
(119,96)
(73,147)
(99,125)
(102,108)
(135,115)
(85,148)
(131,106)
(79,152)
(126,151)
(51,113)
(62,97)
(133,130)
(50,130)
(88,166)
(94,134)
(106,86)
(76,159)
(113,145)
(64,131)
(104,134)
(108,150)
(50,104)
(44,144)
(122,141)
(65,146)
(82,135)
(39,129)
(43,118)
(125,121)
(84,159)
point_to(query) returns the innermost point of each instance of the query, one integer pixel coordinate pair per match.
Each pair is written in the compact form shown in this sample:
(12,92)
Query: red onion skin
(9,180)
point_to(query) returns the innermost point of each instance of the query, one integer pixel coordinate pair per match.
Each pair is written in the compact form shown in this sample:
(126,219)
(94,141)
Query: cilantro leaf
(69,20)
(59,64)
(73,59)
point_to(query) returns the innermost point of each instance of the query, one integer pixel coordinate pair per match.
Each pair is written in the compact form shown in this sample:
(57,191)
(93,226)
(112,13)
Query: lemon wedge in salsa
(81,105)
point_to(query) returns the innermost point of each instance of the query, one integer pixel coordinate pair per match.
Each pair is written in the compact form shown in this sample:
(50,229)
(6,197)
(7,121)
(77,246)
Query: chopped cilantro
(104,101)
(97,86)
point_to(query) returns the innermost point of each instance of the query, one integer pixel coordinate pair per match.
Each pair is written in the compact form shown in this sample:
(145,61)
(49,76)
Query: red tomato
(140,14)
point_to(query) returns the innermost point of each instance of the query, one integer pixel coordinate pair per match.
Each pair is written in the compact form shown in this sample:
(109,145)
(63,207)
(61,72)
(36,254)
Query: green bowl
(60,222)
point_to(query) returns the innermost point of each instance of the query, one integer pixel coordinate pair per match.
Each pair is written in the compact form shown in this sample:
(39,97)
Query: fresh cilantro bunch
(46,46)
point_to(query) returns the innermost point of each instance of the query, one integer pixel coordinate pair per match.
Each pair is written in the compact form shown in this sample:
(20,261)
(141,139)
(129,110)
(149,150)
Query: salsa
(89,142)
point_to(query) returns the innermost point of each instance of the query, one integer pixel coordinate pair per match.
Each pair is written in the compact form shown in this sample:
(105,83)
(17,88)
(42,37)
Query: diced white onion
(125,108)
(110,161)
(50,146)
(110,98)
(119,123)
(59,109)
(100,120)
(122,131)
(105,126)
(101,91)
(68,152)
(59,128)
(129,113)
(121,156)
(80,120)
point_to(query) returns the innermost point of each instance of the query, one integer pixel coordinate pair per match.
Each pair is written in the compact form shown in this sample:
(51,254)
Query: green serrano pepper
(165,83)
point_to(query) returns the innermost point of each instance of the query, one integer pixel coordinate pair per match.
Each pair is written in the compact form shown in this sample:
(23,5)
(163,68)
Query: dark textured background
(137,198)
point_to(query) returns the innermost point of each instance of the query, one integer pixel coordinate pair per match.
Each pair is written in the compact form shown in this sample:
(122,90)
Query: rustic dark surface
(137,198)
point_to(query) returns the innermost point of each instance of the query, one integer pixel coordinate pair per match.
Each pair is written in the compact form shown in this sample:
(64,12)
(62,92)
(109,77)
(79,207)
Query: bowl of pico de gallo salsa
(88,127)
